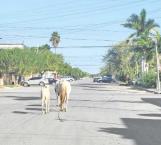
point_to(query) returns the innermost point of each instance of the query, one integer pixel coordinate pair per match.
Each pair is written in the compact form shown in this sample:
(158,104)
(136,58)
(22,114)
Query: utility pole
(154,34)
(158,68)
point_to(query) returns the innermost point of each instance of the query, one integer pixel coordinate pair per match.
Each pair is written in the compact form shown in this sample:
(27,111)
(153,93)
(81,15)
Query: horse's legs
(42,106)
(61,105)
(66,102)
(64,107)
(48,105)
(58,100)
(45,106)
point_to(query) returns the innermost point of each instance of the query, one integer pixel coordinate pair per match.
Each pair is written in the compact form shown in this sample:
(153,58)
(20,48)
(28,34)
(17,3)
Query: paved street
(98,114)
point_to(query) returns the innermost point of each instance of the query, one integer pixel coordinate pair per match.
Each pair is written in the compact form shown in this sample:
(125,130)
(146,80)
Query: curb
(150,90)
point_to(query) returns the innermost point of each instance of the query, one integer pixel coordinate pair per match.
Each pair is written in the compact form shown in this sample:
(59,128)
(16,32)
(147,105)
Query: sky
(86,27)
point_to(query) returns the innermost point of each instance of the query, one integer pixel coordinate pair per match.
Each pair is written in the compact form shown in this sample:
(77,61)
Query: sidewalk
(150,90)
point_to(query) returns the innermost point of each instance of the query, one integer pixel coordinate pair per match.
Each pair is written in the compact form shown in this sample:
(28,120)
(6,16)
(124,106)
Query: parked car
(52,80)
(105,79)
(35,81)
(96,79)
(68,78)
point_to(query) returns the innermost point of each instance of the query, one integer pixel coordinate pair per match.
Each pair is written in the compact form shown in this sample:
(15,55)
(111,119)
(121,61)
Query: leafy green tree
(29,61)
(119,61)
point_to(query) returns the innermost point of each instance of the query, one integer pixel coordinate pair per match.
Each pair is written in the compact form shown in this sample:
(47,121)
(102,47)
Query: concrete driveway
(98,114)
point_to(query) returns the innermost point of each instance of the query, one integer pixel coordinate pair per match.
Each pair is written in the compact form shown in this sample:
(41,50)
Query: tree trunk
(137,69)
(1,80)
(144,65)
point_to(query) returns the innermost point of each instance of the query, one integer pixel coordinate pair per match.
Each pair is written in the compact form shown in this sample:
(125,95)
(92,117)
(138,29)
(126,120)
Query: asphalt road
(98,114)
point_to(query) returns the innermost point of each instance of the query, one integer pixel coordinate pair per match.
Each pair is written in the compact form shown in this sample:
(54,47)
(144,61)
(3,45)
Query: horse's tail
(63,92)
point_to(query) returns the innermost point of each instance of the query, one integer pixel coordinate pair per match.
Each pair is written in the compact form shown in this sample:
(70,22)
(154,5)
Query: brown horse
(62,90)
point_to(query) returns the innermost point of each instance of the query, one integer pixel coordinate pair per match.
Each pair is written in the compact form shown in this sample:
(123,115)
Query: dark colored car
(51,80)
(105,79)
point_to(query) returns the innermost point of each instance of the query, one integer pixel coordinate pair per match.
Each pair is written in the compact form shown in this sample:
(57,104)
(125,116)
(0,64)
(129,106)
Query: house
(11,46)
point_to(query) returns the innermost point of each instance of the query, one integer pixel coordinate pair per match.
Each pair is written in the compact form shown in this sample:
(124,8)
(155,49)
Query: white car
(68,78)
(35,81)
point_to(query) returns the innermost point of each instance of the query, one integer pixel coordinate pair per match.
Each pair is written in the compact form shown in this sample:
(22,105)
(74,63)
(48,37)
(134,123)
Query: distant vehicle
(105,79)
(68,78)
(96,79)
(35,81)
(52,80)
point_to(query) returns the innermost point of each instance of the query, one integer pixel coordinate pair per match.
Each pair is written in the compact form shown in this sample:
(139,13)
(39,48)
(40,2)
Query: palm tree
(139,24)
(142,27)
(55,39)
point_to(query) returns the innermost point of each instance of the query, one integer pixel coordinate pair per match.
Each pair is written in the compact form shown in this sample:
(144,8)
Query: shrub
(148,80)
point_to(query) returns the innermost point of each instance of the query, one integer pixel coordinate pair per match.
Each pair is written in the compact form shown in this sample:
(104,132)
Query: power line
(83,39)
(75,13)
(58,6)
(97,46)
(62,28)
(76,27)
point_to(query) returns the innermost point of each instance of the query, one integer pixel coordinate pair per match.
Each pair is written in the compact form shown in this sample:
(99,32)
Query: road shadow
(124,101)
(107,108)
(20,112)
(104,100)
(154,101)
(92,85)
(100,89)
(88,121)
(33,111)
(34,105)
(20,98)
(29,107)
(151,115)
(28,98)
(87,100)
(26,112)
(103,87)
(141,131)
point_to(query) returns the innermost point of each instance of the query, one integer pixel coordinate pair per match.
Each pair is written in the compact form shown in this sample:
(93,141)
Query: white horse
(62,90)
(45,98)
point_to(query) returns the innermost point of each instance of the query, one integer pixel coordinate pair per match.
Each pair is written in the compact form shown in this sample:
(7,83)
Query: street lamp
(154,37)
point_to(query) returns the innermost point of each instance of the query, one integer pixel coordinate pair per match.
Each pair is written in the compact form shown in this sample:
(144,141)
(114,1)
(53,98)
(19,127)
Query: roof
(11,45)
